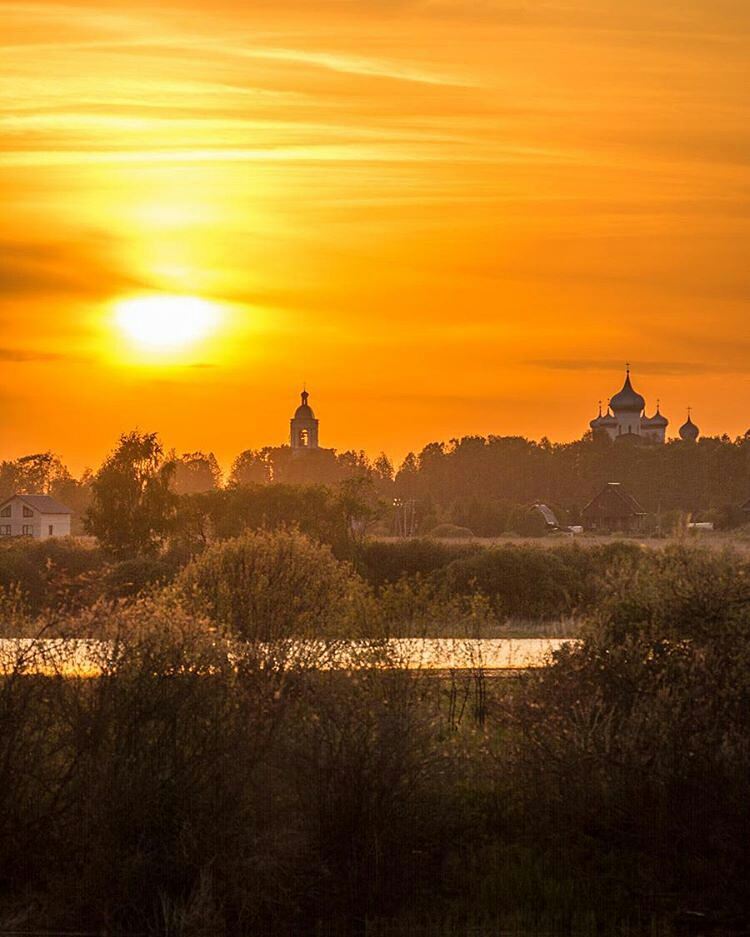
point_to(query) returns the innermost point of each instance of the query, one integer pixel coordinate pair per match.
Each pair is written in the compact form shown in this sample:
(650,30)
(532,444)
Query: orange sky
(448,217)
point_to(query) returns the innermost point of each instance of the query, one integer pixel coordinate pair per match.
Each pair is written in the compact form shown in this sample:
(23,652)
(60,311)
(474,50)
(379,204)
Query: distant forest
(481,483)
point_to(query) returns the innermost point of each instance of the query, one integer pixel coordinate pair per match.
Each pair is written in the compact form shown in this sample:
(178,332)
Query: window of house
(4,530)
(304,437)
(51,529)
(27,512)
(5,511)
(27,530)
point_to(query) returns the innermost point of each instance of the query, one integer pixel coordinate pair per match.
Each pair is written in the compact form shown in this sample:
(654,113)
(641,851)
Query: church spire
(304,426)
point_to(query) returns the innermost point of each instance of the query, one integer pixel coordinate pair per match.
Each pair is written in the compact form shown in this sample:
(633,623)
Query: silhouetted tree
(133,505)
(470,479)
(251,467)
(37,473)
(196,472)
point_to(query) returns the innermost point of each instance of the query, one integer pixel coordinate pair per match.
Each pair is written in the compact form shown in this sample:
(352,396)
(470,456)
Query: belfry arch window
(304,437)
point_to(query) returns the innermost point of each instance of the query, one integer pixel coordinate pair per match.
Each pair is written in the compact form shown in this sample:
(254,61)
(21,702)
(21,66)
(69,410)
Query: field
(714,540)
(195,785)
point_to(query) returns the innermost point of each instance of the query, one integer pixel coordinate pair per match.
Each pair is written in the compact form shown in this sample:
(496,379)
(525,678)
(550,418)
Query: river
(88,656)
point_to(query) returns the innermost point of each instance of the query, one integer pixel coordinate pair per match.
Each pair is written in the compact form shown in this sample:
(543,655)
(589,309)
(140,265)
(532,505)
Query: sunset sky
(448,217)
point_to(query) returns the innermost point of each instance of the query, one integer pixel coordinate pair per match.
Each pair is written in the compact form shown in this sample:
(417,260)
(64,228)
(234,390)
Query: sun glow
(166,323)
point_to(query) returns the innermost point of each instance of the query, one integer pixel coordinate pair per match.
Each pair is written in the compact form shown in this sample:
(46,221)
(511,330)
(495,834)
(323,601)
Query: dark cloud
(23,356)
(81,268)
(642,367)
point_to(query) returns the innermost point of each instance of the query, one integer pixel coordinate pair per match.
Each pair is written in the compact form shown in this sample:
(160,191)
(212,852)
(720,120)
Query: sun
(166,323)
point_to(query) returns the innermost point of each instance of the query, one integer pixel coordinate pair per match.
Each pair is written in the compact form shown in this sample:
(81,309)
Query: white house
(39,516)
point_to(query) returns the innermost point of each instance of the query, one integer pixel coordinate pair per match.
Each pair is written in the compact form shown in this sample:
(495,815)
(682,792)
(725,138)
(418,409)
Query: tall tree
(133,505)
(251,467)
(196,472)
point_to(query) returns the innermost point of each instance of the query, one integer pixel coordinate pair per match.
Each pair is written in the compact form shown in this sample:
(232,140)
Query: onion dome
(627,401)
(689,431)
(303,411)
(608,420)
(597,421)
(657,421)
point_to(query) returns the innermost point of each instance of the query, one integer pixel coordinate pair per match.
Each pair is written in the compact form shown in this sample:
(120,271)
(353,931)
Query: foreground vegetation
(184,791)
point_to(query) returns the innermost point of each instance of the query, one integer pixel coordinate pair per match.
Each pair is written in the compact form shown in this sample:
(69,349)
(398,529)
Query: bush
(184,790)
(139,796)
(131,577)
(267,585)
(522,581)
(636,740)
(57,573)
(672,595)
(530,582)
(418,607)
(380,561)
(451,532)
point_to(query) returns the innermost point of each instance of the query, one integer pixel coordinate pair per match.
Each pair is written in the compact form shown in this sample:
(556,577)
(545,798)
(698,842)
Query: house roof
(547,513)
(614,491)
(45,504)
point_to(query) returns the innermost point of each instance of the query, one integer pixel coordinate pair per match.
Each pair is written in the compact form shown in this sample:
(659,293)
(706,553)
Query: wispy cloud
(362,65)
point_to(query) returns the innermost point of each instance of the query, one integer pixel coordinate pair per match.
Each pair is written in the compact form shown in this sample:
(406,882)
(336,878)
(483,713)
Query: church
(303,430)
(626,419)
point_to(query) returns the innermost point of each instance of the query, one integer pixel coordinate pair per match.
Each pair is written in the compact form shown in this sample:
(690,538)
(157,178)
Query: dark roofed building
(613,509)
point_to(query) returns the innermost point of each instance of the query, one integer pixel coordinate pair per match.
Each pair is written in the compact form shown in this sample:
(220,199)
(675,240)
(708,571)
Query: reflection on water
(88,656)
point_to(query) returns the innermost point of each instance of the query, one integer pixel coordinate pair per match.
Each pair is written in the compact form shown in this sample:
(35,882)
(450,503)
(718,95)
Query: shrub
(364,757)
(140,795)
(380,561)
(267,585)
(636,740)
(451,532)
(679,593)
(56,573)
(522,581)
(131,577)
(419,607)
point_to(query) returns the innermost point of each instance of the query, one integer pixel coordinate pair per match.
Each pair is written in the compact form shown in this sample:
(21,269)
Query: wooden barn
(613,509)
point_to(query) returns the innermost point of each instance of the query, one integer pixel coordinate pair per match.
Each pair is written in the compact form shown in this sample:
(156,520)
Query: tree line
(482,484)
(479,481)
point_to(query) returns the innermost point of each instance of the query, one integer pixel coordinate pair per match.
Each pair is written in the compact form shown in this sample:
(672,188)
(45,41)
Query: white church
(626,419)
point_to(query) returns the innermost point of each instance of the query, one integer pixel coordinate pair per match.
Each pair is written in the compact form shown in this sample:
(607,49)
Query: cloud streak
(362,65)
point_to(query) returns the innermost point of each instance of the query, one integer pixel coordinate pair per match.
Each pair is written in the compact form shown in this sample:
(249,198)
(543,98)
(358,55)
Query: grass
(714,540)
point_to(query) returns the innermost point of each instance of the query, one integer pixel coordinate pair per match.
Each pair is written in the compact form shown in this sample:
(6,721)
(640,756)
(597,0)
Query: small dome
(655,421)
(689,431)
(303,411)
(597,421)
(603,421)
(627,401)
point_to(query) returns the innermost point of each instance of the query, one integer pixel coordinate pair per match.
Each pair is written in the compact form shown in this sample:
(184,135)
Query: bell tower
(303,434)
